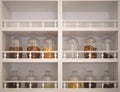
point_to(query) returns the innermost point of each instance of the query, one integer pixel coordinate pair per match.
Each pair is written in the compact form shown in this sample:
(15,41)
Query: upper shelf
(52,25)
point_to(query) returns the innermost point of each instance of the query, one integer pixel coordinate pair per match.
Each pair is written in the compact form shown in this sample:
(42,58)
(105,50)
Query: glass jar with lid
(74,77)
(47,78)
(33,45)
(31,77)
(49,45)
(90,45)
(106,77)
(72,45)
(107,46)
(15,45)
(90,77)
(13,77)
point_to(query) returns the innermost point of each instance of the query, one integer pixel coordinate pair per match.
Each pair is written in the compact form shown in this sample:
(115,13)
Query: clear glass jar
(107,77)
(72,45)
(15,45)
(90,45)
(33,45)
(13,77)
(90,77)
(31,77)
(48,77)
(107,46)
(74,77)
(49,45)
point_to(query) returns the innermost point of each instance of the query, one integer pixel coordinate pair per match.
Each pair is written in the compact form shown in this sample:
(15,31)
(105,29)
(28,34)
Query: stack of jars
(33,45)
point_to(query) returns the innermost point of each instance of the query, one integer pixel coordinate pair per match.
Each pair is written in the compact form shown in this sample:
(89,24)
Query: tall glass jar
(74,77)
(13,77)
(90,45)
(107,46)
(72,45)
(107,77)
(90,77)
(33,45)
(49,45)
(31,77)
(15,45)
(48,77)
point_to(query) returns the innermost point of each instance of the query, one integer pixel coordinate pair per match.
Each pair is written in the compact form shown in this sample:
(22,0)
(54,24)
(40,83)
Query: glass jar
(107,46)
(31,77)
(72,45)
(90,77)
(13,77)
(49,45)
(15,45)
(74,77)
(48,77)
(33,45)
(107,77)
(90,45)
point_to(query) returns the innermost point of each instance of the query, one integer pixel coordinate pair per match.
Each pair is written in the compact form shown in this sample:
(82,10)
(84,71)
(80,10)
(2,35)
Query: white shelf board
(90,90)
(29,0)
(29,60)
(90,29)
(90,0)
(90,60)
(29,29)
(30,90)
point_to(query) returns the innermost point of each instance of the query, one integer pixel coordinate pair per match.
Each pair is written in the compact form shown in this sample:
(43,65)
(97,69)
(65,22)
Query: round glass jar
(90,45)
(107,46)
(33,45)
(15,45)
(13,77)
(107,77)
(90,77)
(74,77)
(72,45)
(49,45)
(48,77)
(31,77)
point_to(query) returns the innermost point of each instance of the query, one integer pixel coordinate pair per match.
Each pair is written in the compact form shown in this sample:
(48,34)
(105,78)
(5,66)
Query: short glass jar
(33,45)
(15,45)
(74,77)
(90,45)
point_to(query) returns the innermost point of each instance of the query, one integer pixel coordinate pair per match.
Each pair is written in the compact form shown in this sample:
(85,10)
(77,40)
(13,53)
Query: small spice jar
(33,45)
(15,45)
(90,45)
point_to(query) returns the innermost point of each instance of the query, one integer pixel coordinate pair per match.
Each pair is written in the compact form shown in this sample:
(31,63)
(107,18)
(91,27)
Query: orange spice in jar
(90,45)
(48,54)
(33,45)
(49,45)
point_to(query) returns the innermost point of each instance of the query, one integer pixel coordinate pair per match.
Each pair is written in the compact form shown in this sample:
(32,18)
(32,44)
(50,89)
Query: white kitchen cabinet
(60,19)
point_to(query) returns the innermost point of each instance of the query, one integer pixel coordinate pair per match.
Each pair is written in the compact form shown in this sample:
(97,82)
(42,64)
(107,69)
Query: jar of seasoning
(13,77)
(107,77)
(90,45)
(90,77)
(49,45)
(15,45)
(48,77)
(74,77)
(31,77)
(107,46)
(33,45)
